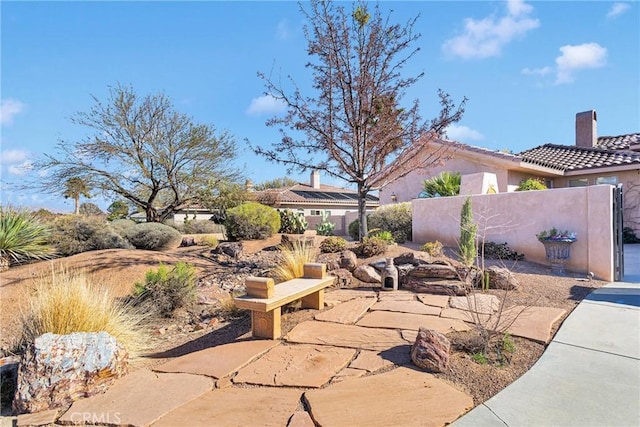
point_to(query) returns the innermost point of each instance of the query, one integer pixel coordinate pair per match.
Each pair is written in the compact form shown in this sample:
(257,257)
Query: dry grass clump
(293,257)
(64,302)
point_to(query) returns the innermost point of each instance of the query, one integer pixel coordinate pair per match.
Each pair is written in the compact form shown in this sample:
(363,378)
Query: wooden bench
(265,300)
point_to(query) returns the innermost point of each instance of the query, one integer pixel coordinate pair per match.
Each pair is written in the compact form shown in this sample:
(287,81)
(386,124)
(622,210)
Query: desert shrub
(292,222)
(210,241)
(154,236)
(371,246)
(167,289)
(198,226)
(293,257)
(121,226)
(468,231)
(23,236)
(382,235)
(444,185)
(628,236)
(73,234)
(63,302)
(333,244)
(531,184)
(432,248)
(252,221)
(354,229)
(395,218)
(501,251)
(326,227)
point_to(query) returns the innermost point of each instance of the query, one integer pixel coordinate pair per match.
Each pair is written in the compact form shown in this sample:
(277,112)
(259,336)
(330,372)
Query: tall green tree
(73,189)
(118,210)
(141,149)
(354,120)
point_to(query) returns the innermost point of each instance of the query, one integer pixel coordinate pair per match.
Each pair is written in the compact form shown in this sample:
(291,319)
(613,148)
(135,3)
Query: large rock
(56,370)
(348,260)
(232,249)
(436,287)
(502,278)
(291,239)
(367,274)
(431,351)
(434,271)
(344,278)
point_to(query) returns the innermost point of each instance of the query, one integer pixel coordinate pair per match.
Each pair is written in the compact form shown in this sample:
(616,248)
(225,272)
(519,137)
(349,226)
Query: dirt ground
(203,326)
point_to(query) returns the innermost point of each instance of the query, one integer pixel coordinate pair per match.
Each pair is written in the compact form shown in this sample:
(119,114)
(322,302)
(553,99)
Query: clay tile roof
(569,158)
(619,142)
(303,193)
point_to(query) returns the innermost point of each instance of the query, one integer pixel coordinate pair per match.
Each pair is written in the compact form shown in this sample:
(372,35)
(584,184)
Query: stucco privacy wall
(517,217)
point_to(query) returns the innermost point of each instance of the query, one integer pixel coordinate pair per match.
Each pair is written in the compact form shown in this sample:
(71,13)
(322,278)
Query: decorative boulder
(348,260)
(232,249)
(502,278)
(56,370)
(366,273)
(344,278)
(431,351)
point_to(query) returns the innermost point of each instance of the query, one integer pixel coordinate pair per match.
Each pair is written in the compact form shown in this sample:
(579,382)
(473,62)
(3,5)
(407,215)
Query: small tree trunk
(362,212)
(77,203)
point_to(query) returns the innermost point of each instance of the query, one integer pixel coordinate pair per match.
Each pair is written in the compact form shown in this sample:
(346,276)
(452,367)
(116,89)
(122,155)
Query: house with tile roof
(592,160)
(314,199)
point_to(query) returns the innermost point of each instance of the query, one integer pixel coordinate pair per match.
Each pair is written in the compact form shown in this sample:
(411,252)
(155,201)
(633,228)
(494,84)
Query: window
(611,180)
(580,182)
(315,212)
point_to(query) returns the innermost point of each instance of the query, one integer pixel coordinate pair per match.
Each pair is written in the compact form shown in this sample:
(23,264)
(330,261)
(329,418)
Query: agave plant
(22,237)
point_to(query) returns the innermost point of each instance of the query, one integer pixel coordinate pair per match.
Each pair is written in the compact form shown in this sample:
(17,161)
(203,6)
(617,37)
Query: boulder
(290,239)
(434,271)
(502,278)
(430,351)
(188,241)
(366,273)
(231,249)
(56,370)
(344,278)
(332,261)
(348,260)
(405,258)
(436,287)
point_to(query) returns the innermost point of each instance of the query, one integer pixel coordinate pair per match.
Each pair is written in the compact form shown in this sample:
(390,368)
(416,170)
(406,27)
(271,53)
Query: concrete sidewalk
(589,374)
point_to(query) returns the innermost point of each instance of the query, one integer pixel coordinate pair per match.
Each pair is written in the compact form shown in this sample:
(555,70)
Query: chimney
(248,185)
(586,129)
(315,179)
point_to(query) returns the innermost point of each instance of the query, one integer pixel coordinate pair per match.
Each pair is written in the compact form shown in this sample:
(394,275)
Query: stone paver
(481,303)
(534,323)
(372,361)
(347,312)
(409,336)
(335,334)
(296,366)
(348,374)
(391,320)
(401,397)
(220,361)
(301,419)
(236,407)
(396,296)
(467,316)
(435,300)
(138,399)
(415,307)
(341,295)
(39,418)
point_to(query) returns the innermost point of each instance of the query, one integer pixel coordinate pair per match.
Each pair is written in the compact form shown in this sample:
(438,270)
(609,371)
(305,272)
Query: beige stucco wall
(517,217)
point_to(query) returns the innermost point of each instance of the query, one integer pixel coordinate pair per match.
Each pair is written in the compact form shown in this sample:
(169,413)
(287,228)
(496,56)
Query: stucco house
(591,160)
(313,199)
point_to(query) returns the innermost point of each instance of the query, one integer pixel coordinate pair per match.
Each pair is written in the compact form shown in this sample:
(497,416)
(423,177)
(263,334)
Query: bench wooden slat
(284,293)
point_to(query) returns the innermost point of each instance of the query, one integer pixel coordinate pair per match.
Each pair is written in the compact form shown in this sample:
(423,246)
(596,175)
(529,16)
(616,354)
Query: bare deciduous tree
(144,151)
(354,122)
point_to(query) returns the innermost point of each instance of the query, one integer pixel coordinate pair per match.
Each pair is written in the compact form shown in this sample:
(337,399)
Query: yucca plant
(22,236)
(63,302)
(292,260)
(444,185)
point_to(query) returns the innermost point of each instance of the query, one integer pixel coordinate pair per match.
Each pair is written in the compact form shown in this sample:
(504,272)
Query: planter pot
(558,253)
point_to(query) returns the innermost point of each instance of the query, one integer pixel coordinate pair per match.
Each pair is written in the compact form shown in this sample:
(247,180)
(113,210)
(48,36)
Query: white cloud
(21,169)
(463,133)
(618,9)
(9,108)
(266,104)
(537,71)
(13,156)
(282,31)
(486,37)
(576,57)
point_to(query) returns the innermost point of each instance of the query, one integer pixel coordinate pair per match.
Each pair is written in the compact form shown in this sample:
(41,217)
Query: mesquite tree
(354,123)
(144,151)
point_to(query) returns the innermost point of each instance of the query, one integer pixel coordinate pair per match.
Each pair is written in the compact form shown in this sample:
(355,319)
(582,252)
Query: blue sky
(526,67)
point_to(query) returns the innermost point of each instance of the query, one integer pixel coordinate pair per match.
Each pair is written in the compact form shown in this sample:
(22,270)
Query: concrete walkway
(589,374)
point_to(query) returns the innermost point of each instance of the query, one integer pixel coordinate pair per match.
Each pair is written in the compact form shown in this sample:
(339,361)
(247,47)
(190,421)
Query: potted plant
(557,245)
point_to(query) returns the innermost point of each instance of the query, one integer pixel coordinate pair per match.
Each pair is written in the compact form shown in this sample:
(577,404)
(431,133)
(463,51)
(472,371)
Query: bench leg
(266,325)
(314,300)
